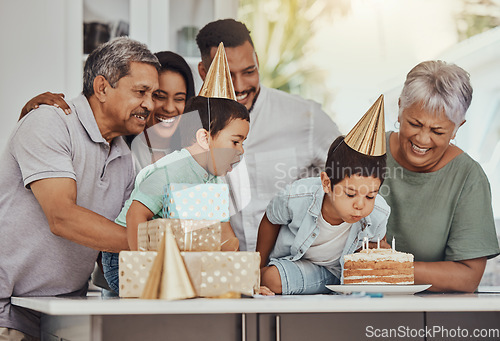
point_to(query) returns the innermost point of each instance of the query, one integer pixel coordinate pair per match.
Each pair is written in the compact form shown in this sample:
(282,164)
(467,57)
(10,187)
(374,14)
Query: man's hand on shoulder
(49,98)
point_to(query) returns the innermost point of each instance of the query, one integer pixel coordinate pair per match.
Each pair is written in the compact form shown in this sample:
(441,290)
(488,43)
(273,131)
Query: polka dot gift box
(134,268)
(196,201)
(211,273)
(190,235)
(217,273)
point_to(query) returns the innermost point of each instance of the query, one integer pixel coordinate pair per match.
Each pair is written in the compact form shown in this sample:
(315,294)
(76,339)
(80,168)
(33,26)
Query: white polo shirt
(289,138)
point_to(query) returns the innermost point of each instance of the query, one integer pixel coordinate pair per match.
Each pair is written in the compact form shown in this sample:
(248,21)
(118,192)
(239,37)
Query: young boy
(310,225)
(214,150)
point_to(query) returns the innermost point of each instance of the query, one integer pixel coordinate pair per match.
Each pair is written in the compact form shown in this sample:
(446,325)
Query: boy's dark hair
(222,111)
(344,161)
(229,31)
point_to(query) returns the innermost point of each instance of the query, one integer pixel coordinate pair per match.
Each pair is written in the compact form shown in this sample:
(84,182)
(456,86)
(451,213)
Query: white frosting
(379,255)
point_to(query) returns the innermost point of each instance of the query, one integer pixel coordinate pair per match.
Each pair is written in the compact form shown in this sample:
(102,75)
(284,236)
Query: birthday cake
(378,266)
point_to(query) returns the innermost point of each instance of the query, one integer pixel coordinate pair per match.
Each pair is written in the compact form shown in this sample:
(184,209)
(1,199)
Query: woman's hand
(49,98)
(446,276)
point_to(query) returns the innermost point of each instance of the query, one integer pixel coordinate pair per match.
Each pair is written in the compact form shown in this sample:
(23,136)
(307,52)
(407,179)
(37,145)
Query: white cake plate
(375,288)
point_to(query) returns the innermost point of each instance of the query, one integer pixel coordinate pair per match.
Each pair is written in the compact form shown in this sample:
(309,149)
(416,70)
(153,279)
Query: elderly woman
(439,196)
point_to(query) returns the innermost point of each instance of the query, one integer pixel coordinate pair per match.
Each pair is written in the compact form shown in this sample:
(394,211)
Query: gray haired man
(64,179)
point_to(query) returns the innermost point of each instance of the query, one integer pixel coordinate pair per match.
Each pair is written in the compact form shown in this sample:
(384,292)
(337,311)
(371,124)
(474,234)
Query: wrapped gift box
(190,235)
(212,273)
(217,273)
(143,237)
(134,267)
(196,201)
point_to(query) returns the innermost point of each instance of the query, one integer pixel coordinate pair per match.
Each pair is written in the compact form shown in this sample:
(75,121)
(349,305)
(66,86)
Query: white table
(322,317)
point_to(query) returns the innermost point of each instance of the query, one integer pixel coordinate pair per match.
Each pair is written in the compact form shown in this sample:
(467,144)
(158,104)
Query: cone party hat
(218,82)
(152,287)
(175,281)
(168,278)
(368,135)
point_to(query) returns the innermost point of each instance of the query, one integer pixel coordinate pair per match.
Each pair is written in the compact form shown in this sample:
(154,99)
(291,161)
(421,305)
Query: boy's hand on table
(265,291)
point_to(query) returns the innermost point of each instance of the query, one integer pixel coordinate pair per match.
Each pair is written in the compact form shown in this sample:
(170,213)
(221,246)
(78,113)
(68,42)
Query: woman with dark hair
(176,86)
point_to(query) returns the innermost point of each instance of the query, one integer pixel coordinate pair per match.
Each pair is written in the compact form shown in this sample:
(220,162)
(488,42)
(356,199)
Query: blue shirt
(177,167)
(297,208)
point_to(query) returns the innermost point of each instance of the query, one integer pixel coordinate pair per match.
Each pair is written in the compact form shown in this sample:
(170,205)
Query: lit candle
(393,244)
(378,242)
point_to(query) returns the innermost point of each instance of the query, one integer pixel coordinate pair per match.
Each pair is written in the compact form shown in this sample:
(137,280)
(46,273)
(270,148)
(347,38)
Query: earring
(453,142)
(396,125)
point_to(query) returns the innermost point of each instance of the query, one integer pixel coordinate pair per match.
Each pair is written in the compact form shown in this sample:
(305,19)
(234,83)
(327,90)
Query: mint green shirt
(444,215)
(177,167)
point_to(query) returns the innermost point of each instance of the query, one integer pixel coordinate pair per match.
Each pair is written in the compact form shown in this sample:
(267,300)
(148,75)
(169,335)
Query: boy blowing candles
(310,225)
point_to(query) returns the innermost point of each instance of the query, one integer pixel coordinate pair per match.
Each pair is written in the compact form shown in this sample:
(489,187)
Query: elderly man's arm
(57,197)
(463,275)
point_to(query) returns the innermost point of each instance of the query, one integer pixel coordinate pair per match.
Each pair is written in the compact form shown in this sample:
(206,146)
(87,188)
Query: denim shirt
(297,208)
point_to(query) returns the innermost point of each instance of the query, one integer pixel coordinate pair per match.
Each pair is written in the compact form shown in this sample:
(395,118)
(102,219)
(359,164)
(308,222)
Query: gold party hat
(175,281)
(151,289)
(218,82)
(168,278)
(368,135)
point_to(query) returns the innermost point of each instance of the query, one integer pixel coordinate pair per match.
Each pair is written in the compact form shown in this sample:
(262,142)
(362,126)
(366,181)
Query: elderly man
(289,136)
(64,179)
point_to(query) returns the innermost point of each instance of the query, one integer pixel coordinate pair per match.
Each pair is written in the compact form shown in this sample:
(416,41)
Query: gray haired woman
(439,196)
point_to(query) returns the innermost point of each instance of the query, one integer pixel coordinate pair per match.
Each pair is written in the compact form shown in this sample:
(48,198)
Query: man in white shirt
(289,136)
